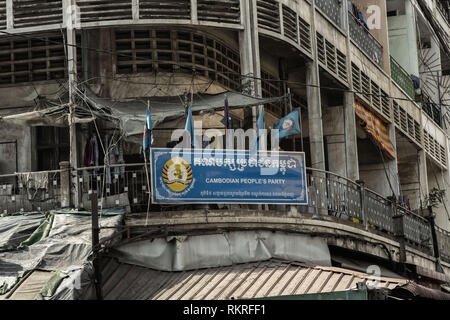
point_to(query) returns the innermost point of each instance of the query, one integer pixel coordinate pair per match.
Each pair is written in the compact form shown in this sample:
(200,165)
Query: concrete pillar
(70,20)
(391,166)
(315,116)
(65,184)
(334,132)
(351,145)
(422,174)
(249,48)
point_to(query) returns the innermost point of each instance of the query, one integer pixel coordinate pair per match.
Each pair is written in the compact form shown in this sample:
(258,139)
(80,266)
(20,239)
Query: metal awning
(271,278)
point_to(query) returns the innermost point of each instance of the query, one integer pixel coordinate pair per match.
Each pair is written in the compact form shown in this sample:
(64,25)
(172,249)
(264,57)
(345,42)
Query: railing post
(65,184)
(362,191)
(430,218)
(399,231)
(95,245)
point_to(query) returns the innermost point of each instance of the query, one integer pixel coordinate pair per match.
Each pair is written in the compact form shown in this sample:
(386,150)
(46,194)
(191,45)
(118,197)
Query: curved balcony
(125,187)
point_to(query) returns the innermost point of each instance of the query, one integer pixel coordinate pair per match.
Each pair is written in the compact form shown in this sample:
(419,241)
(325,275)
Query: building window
(27,60)
(52,144)
(148,51)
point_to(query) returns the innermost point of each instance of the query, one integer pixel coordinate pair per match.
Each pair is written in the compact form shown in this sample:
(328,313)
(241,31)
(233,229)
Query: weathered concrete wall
(333,132)
(21,134)
(402,34)
(408,169)
(439,179)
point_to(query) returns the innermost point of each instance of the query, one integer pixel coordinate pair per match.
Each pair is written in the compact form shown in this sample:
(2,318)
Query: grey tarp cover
(66,248)
(228,248)
(17,228)
(132,113)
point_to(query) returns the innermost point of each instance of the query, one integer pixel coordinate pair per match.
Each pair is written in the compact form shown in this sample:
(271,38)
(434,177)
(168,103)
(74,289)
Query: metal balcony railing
(30,192)
(402,78)
(434,111)
(366,42)
(333,9)
(125,186)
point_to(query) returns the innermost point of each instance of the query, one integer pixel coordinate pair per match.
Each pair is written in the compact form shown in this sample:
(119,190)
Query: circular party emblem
(287,124)
(177,174)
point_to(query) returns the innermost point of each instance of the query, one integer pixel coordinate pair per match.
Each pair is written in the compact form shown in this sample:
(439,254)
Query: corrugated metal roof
(31,286)
(418,290)
(241,281)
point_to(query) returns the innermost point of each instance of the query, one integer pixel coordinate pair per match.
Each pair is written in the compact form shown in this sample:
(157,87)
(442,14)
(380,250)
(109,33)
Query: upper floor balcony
(402,78)
(125,187)
(365,40)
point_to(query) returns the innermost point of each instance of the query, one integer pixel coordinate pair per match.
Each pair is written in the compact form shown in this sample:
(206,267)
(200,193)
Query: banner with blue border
(228,176)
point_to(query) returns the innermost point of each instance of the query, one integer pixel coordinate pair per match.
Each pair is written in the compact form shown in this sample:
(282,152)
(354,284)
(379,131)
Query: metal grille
(268,15)
(223,11)
(30,192)
(344,197)
(31,13)
(385,104)
(304,34)
(101,10)
(290,23)
(379,212)
(356,78)
(167,9)
(435,149)
(443,240)
(332,9)
(27,60)
(366,42)
(144,51)
(321,49)
(271,88)
(401,77)
(116,187)
(3,14)
(417,229)
(365,86)
(341,65)
(331,58)
(403,120)
(417,132)
(396,112)
(376,96)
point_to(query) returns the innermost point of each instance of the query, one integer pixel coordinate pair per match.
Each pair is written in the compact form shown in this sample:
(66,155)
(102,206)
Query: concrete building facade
(395,71)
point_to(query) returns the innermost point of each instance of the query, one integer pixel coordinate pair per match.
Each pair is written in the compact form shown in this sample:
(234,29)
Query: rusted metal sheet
(272,278)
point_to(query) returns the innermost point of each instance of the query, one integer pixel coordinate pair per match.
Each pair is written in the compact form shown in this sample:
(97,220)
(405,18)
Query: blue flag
(288,125)
(259,132)
(226,119)
(148,135)
(189,127)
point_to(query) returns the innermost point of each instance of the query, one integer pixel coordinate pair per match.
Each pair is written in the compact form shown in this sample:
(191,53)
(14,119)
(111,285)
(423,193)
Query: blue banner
(228,176)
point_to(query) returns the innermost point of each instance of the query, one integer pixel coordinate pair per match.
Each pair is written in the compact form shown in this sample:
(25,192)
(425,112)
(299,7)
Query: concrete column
(70,20)
(65,183)
(334,132)
(315,116)
(351,145)
(249,48)
(422,174)
(391,166)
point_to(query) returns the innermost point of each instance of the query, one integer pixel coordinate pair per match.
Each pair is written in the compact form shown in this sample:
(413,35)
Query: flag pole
(146,169)
(290,110)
